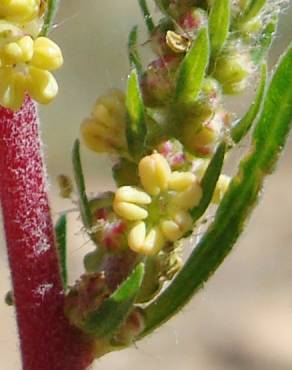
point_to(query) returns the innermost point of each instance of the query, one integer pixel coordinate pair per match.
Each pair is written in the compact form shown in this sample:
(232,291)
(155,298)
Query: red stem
(48,342)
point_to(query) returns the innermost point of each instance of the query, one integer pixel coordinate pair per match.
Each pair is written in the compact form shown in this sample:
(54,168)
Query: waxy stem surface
(48,342)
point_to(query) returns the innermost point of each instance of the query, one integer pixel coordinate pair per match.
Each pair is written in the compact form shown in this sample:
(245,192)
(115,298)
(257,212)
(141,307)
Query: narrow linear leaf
(61,238)
(276,118)
(133,50)
(80,183)
(252,10)
(52,7)
(265,40)
(147,17)
(268,140)
(136,126)
(242,127)
(108,318)
(209,182)
(219,22)
(192,70)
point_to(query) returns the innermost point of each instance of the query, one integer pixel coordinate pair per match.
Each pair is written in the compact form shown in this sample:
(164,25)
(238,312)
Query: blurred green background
(242,320)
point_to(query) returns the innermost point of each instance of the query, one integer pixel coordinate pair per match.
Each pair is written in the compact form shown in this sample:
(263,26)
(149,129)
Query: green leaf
(243,126)
(265,40)
(52,7)
(61,238)
(111,314)
(192,70)
(80,183)
(136,126)
(219,22)
(252,10)
(133,52)
(209,182)
(275,120)
(146,15)
(268,140)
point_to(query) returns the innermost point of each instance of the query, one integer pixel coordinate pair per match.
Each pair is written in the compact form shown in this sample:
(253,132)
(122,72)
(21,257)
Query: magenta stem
(48,342)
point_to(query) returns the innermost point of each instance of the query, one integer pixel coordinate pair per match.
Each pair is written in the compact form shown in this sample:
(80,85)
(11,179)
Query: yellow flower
(25,65)
(104,131)
(19,10)
(159,210)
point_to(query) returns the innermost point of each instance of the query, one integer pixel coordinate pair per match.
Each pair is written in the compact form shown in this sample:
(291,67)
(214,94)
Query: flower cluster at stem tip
(159,211)
(169,135)
(158,189)
(26,57)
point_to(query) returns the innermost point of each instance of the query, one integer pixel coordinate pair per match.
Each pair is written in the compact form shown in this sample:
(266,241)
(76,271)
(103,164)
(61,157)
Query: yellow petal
(136,237)
(183,220)
(19,10)
(154,172)
(129,211)
(170,230)
(12,53)
(42,85)
(132,195)
(163,171)
(26,45)
(46,54)
(180,181)
(12,87)
(154,242)
(189,198)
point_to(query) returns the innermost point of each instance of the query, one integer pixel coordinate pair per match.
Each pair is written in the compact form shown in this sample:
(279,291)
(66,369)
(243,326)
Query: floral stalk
(47,339)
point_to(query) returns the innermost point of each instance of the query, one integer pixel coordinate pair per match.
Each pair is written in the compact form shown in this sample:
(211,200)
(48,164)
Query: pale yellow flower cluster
(26,59)
(158,212)
(104,131)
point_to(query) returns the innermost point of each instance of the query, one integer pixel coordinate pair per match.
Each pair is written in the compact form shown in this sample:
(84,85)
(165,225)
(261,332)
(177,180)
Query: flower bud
(85,297)
(232,71)
(108,230)
(104,131)
(133,326)
(208,100)
(191,21)
(201,136)
(250,30)
(173,151)
(178,7)
(159,80)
